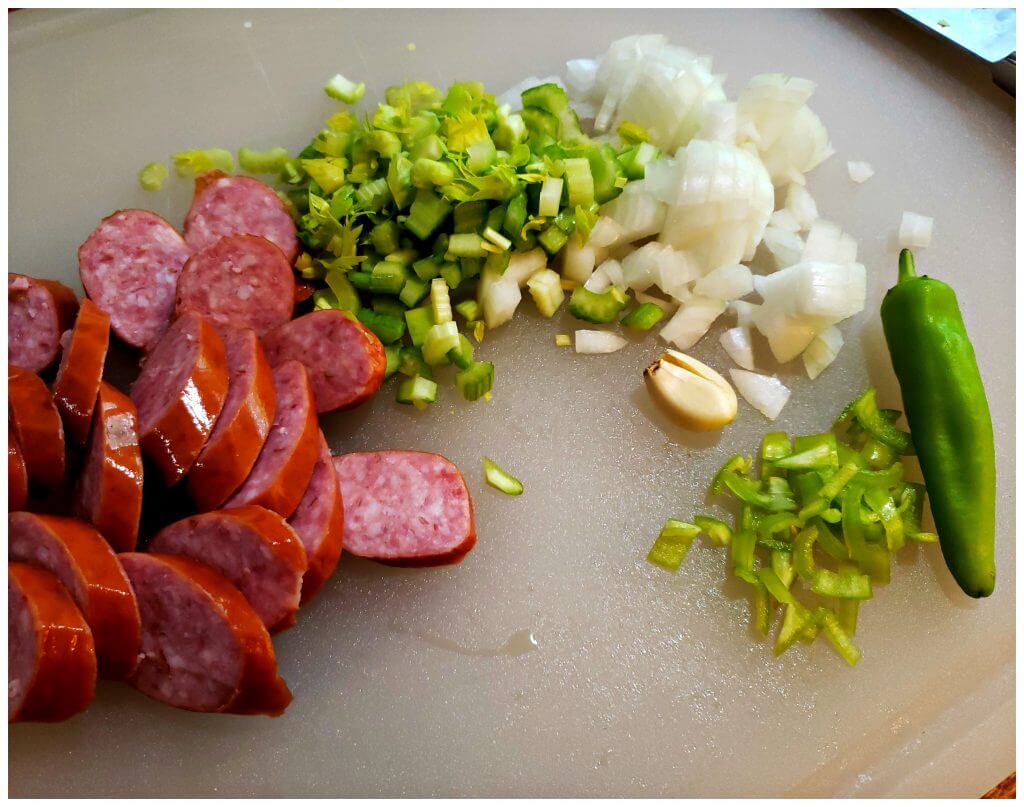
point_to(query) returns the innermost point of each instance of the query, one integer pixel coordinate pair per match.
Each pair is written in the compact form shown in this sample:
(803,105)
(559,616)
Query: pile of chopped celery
(426,219)
(818,526)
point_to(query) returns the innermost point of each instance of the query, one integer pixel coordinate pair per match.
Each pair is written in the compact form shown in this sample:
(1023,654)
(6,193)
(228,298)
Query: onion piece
(744,312)
(598,281)
(664,305)
(822,351)
(815,288)
(915,230)
(823,242)
(860,171)
(675,273)
(637,213)
(784,219)
(692,321)
(719,123)
(738,344)
(786,247)
(788,334)
(801,204)
(765,393)
(605,233)
(641,268)
(580,75)
(499,297)
(578,260)
(725,283)
(524,265)
(598,342)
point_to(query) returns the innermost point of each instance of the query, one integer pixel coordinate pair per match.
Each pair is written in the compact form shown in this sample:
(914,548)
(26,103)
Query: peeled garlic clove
(690,392)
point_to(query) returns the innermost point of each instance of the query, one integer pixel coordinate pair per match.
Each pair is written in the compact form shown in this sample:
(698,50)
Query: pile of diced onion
(683,235)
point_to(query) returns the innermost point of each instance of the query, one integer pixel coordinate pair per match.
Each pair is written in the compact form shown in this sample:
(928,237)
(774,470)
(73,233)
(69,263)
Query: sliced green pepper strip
(777,522)
(847,612)
(850,586)
(811,453)
(742,551)
(865,411)
(761,608)
(718,531)
(837,637)
(782,565)
(500,479)
(774,544)
(888,478)
(884,505)
(803,552)
(778,589)
(828,542)
(749,490)
(672,544)
(912,510)
(829,490)
(794,621)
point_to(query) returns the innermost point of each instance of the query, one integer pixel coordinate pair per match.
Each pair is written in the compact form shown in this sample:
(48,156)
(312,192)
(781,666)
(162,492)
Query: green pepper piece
(672,544)
(948,413)
(718,531)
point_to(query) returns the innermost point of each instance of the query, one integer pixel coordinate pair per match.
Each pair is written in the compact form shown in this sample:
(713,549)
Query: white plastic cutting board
(641,683)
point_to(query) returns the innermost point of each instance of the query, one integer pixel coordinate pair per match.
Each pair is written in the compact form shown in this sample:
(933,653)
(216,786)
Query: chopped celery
(428,173)
(605,169)
(643,317)
(546,289)
(475,381)
(413,292)
(393,358)
(632,133)
(427,268)
(468,309)
(198,161)
(385,237)
(440,301)
(595,307)
(152,176)
(389,305)
(500,479)
(328,172)
(441,338)
(497,238)
(388,327)
(360,280)
(482,155)
(515,217)
(470,217)
(550,197)
(418,321)
(427,213)
(466,245)
(553,239)
(388,277)
(344,291)
(580,182)
(418,391)
(341,89)
(271,161)
(563,340)
(672,544)
(451,274)
(411,363)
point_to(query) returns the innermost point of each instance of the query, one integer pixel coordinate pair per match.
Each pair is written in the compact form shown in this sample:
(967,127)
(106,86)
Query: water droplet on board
(519,643)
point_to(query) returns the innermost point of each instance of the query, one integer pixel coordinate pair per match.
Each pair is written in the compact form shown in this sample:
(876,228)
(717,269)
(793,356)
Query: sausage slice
(345,359)
(230,205)
(38,313)
(179,394)
(319,521)
(203,646)
(282,471)
(243,424)
(37,427)
(109,492)
(88,568)
(129,266)
(17,478)
(81,370)
(405,508)
(51,660)
(252,547)
(239,281)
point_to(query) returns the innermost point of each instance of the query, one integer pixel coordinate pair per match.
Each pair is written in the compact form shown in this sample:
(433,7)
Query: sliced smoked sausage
(81,370)
(345,359)
(239,281)
(38,313)
(254,548)
(243,424)
(203,646)
(405,508)
(17,478)
(88,568)
(37,427)
(129,266)
(179,394)
(229,205)
(282,471)
(109,491)
(51,660)
(319,521)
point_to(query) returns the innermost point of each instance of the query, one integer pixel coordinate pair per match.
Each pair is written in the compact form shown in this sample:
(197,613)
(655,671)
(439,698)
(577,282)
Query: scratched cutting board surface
(554,660)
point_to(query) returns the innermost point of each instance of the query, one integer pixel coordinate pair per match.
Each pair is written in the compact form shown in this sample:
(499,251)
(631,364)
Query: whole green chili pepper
(949,419)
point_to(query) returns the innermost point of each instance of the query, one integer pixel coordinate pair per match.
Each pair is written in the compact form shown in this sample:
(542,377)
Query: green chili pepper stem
(907,270)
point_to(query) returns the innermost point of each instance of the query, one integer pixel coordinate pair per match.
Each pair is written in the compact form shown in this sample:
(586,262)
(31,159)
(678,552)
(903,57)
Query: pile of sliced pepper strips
(817,527)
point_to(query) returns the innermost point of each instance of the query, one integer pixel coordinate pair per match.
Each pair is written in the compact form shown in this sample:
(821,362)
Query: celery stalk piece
(271,161)
(341,89)
(550,197)
(199,161)
(418,391)
(563,340)
(441,338)
(500,479)
(440,301)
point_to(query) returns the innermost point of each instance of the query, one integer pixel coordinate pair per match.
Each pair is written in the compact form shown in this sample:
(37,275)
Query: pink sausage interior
(33,332)
(21,649)
(165,371)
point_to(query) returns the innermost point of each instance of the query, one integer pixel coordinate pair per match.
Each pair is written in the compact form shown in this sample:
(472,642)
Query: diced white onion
(784,219)
(738,345)
(524,265)
(637,213)
(860,171)
(578,260)
(823,242)
(915,230)
(604,233)
(787,334)
(822,351)
(640,269)
(664,305)
(499,297)
(675,273)
(726,283)
(692,321)
(580,75)
(786,247)
(613,271)
(719,123)
(763,392)
(816,288)
(598,342)
(598,281)
(744,312)
(801,204)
